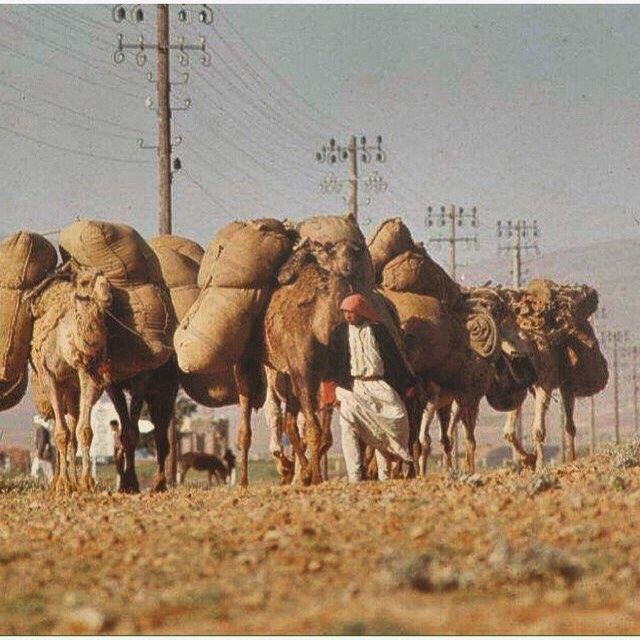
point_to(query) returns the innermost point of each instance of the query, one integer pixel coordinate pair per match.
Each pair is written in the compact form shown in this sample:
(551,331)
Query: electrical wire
(70,74)
(78,152)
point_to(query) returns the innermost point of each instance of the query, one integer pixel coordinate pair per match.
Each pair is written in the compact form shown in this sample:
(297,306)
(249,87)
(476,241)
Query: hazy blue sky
(524,111)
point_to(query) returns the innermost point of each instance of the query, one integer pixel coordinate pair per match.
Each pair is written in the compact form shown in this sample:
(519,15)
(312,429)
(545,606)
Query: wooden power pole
(163,89)
(353,151)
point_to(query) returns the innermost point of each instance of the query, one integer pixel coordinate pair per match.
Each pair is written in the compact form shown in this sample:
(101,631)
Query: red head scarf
(358,304)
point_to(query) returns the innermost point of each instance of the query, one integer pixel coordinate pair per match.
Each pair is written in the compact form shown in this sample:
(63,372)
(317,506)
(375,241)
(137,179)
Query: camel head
(91,298)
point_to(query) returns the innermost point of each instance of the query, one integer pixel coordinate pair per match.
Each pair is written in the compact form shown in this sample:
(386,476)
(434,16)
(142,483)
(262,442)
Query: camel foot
(129,483)
(62,486)
(87,483)
(159,484)
(528,460)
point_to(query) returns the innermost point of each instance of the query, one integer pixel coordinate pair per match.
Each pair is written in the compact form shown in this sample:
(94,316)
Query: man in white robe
(368,377)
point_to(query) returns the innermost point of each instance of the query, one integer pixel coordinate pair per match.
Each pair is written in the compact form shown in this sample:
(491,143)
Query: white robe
(373,410)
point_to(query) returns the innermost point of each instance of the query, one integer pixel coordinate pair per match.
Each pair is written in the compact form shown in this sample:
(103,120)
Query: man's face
(352,317)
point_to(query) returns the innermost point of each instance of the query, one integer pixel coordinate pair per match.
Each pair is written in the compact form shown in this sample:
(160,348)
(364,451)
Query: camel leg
(243,442)
(452,430)
(568,406)
(326,439)
(313,433)
(61,436)
(129,439)
(469,419)
(291,429)
(542,398)
(273,415)
(183,473)
(425,438)
(510,435)
(72,448)
(89,394)
(444,417)
(161,400)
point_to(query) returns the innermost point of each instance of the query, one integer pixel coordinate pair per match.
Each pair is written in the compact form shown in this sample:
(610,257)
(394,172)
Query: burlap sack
(115,249)
(179,270)
(391,238)
(25,259)
(215,331)
(12,391)
(331,229)
(216,389)
(183,246)
(425,324)
(245,255)
(140,327)
(414,271)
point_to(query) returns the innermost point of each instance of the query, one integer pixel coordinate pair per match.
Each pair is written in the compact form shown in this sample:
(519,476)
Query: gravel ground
(499,552)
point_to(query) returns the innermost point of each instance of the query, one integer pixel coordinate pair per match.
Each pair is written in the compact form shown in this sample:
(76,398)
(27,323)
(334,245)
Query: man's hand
(327,393)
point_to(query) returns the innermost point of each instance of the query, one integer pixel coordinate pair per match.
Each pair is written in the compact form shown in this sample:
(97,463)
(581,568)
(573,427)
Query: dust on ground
(498,552)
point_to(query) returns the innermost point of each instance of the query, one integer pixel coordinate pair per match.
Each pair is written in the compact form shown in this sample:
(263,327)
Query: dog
(220,468)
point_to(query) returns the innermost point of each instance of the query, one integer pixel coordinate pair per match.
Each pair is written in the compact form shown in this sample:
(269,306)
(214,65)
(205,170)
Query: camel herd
(247,322)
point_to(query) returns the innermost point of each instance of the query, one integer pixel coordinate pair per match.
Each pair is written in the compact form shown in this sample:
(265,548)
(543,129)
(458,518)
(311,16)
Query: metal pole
(352,199)
(452,241)
(164,121)
(452,272)
(563,446)
(634,352)
(616,403)
(592,448)
(516,268)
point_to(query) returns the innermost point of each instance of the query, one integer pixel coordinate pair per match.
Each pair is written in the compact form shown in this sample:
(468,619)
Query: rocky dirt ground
(499,552)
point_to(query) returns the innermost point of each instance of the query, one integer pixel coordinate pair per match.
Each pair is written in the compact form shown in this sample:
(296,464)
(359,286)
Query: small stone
(416,532)
(86,620)
(314,566)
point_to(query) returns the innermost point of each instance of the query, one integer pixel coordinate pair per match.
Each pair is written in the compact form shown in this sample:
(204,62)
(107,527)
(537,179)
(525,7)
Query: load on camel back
(25,260)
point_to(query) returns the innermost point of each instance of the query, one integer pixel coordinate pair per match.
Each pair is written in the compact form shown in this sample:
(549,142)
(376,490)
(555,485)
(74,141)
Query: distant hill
(612,267)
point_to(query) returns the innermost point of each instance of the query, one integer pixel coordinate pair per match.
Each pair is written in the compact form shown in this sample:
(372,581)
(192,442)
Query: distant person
(118,450)
(43,457)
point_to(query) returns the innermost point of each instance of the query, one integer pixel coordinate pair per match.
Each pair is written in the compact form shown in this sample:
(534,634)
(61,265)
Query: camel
(298,322)
(456,354)
(566,357)
(68,353)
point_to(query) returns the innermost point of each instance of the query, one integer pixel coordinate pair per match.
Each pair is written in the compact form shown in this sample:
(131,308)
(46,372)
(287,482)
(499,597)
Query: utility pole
(163,48)
(615,338)
(598,316)
(452,216)
(522,236)
(163,89)
(351,152)
(634,378)
(164,110)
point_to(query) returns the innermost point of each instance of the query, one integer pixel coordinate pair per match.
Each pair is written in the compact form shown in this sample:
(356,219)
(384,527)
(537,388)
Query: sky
(523,111)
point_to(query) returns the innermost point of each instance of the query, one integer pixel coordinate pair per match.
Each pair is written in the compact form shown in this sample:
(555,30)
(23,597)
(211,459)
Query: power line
(69,73)
(57,105)
(211,198)
(73,125)
(277,75)
(69,52)
(78,152)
